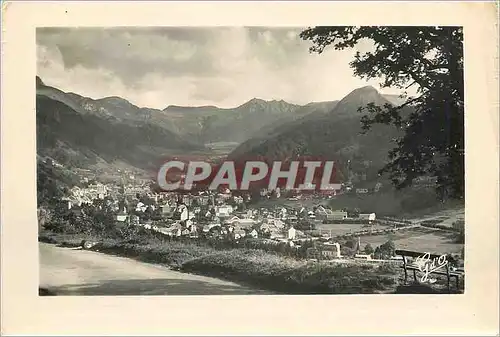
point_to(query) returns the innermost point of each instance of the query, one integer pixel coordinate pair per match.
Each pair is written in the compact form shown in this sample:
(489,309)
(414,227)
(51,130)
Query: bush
(171,254)
(47,238)
(385,250)
(290,276)
(418,200)
(255,267)
(351,243)
(435,224)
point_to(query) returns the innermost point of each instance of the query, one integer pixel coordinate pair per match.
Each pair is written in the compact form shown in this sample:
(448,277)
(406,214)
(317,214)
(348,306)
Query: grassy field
(222,147)
(387,203)
(257,268)
(343,229)
(401,204)
(418,239)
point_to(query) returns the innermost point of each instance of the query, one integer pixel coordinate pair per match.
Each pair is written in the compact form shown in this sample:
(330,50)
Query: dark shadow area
(452,237)
(45,292)
(153,287)
(66,244)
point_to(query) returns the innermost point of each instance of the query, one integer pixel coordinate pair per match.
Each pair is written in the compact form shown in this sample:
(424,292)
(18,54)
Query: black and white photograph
(384,104)
(249,168)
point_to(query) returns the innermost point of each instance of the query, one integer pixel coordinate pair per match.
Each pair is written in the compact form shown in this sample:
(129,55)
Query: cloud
(223,66)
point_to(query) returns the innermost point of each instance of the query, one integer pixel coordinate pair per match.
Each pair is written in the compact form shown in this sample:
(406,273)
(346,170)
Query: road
(70,271)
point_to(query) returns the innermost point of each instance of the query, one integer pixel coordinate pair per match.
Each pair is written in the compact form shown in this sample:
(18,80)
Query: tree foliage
(368,249)
(385,250)
(430,59)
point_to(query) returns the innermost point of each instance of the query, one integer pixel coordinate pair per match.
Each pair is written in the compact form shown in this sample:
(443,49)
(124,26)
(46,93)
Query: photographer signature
(427,265)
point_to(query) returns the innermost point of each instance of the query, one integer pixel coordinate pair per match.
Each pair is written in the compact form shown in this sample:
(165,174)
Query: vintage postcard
(233,153)
(179,158)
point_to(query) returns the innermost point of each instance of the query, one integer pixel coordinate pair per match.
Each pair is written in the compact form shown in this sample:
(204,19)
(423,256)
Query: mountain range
(335,135)
(83,132)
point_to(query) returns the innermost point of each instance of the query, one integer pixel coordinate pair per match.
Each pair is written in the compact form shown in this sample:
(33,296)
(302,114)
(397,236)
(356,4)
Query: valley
(111,136)
(115,142)
(90,133)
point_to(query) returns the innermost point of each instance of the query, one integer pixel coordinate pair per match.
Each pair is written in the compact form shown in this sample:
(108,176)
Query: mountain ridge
(203,124)
(273,128)
(365,89)
(335,135)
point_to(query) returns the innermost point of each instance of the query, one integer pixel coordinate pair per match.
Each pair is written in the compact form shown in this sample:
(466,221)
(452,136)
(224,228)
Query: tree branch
(408,102)
(418,79)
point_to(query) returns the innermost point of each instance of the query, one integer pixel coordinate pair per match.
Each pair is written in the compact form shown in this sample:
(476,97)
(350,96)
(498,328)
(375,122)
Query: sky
(221,66)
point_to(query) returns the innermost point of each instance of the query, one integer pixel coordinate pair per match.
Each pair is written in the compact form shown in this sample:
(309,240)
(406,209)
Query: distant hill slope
(114,109)
(395,99)
(53,182)
(313,111)
(211,124)
(334,135)
(85,131)
(84,139)
(203,124)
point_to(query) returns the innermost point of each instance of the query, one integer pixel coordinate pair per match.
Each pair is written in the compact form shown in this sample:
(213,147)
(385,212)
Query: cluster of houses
(375,189)
(79,195)
(218,215)
(220,220)
(222,215)
(327,215)
(206,213)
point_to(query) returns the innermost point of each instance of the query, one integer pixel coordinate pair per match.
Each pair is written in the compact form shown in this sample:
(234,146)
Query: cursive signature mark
(427,266)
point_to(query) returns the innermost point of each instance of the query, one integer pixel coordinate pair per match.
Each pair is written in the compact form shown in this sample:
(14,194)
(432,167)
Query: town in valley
(278,217)
(384,104)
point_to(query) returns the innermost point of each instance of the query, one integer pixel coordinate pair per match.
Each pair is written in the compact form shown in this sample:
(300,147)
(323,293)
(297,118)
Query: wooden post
(404,266)
(448,276)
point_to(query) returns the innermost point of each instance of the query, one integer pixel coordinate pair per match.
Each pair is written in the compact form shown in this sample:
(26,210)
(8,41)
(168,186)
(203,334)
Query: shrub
(268,265)
(385,250)
(290,276)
